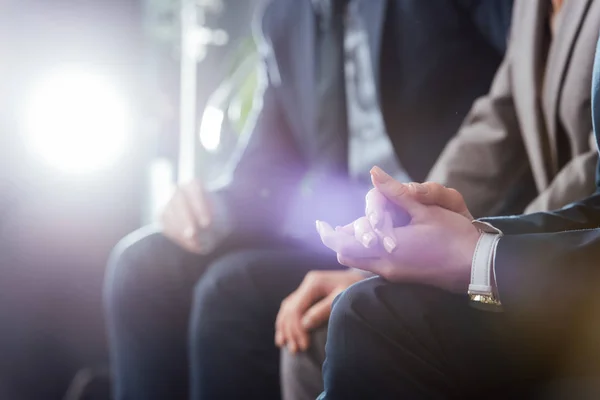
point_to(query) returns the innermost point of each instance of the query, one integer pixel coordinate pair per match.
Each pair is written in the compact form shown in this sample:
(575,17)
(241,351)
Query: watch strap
(483,261)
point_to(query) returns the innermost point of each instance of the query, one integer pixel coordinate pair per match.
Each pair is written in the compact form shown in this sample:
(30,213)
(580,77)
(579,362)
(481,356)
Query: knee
(134,263)
(355,304)
(370,309)
(223,289)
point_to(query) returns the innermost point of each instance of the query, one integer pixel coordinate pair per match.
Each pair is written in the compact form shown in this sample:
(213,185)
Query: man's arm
(546,264)
(548,275)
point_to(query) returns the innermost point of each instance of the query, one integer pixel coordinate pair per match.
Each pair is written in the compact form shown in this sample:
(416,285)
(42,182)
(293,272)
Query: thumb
(200,203)
(432,193)
(396,192)
(319,313)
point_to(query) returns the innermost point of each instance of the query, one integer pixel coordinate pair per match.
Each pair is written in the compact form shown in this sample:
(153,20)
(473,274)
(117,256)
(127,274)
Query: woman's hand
(309,306)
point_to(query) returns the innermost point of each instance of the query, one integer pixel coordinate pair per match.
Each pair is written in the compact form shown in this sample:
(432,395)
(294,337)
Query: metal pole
(188,92)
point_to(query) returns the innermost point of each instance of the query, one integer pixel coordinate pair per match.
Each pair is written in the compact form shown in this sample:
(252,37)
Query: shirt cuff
(483,274)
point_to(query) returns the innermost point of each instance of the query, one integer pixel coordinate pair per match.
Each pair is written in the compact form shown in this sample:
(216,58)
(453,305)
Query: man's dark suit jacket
(431,60)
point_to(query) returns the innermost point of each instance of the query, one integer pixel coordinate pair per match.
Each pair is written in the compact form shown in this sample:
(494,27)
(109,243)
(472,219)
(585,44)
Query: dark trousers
(393,341)
(183,325)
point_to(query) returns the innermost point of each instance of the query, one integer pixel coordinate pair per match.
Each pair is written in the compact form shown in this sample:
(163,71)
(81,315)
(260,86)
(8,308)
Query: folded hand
(435,247)
(309,306)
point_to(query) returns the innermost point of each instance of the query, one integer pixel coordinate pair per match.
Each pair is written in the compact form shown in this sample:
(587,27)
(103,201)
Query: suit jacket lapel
(528,63)
(301,22)
(373,13)
(298,77)
(568,26)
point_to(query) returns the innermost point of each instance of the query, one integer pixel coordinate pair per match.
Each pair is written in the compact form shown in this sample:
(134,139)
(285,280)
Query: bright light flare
(210,128)
(77,121)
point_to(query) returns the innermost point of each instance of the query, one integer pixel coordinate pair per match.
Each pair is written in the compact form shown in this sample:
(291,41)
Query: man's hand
(435,248)
(309,306)
(427,193)
(186,215)
(377,206)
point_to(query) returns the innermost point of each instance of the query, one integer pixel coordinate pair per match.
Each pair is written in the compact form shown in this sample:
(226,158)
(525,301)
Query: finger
(198,204)
(279,333)
(349,246)
(432,193)
(332,238)
(386,233)
(169,218)
(282,334)
(384,224)
(193,246)
(343,243)
(183,217)
(396,192)
(365,264)
(318,314)
(300,335)
(292,334)
(364,233)
(279,338)
(288,332)
(348,229)
(310,290)
(166,220)
(179,224)
(323,228)
(375,206)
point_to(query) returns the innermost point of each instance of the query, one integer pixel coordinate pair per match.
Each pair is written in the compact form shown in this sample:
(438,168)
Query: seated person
(528,329)
(527,145)
(200,296)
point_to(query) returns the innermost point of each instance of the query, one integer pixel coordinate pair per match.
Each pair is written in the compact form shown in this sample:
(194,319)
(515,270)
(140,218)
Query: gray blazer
(510,135)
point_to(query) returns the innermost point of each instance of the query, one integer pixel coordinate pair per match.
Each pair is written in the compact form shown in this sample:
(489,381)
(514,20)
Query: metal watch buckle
(486,302)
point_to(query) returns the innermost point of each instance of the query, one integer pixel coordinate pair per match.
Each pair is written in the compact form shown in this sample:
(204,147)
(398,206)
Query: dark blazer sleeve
(547,265)
(547,270)
(547,281)
(267,165)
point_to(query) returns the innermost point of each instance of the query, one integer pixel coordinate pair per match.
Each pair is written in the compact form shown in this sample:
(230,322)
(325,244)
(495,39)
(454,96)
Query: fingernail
(389,244)
(318,225)
(418,188)
(374,219)
(368,239)
(380,175)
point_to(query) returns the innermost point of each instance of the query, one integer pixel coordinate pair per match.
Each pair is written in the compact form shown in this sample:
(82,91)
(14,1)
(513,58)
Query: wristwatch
(481,289)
